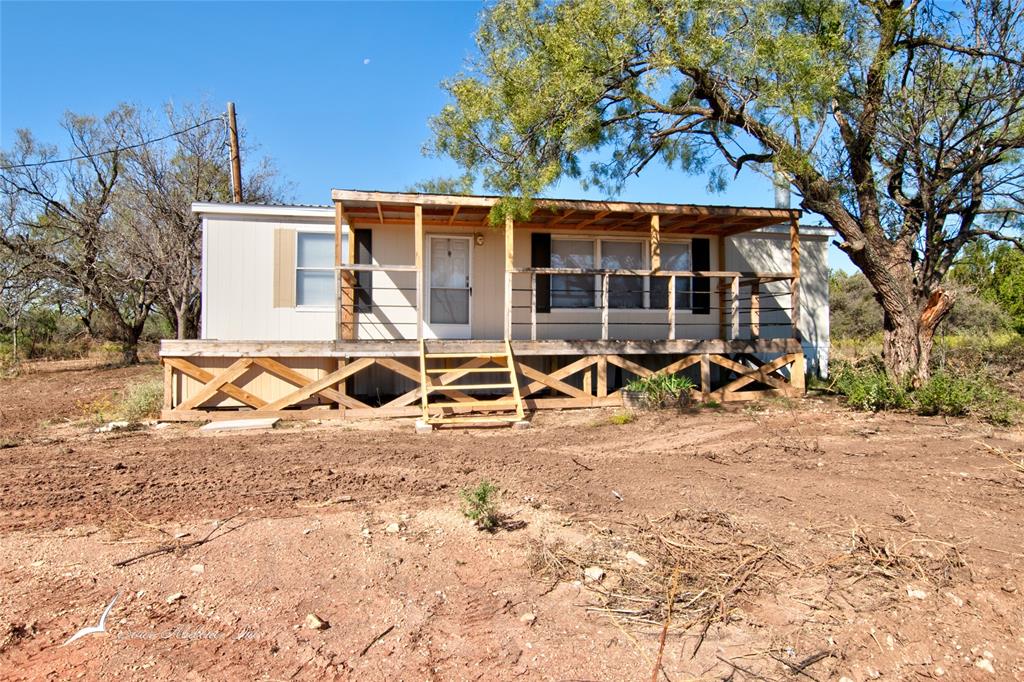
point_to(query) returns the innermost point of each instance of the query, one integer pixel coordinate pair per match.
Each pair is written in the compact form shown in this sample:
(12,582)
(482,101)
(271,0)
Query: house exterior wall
(240,257)
(242,252)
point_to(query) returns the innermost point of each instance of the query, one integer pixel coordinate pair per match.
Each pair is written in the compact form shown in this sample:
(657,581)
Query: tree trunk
(186,324)
(909,337)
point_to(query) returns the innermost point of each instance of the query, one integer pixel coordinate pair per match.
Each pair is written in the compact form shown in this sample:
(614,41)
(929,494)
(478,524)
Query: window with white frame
(314,269)
(674,256)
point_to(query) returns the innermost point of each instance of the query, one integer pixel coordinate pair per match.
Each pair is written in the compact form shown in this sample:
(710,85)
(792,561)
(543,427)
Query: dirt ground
(793,541)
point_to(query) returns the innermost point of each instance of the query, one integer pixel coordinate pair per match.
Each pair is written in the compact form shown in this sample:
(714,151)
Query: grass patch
(480,505)
(621,418)
(867,387)
(137,402)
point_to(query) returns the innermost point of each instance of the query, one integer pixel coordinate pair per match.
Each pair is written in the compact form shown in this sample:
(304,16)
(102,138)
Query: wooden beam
(602,376)
(199,374)
(794,257)
(419,270)
(533,306)
(755,309)
(235,370)
(562,217)
(320,384)
(604,307)
(655,242)
(509,265)
(671,307)
(455,212)
(339,314)
(587,223)
(734,308)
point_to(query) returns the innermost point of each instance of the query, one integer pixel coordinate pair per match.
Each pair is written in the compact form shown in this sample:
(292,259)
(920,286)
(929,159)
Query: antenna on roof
(236,159)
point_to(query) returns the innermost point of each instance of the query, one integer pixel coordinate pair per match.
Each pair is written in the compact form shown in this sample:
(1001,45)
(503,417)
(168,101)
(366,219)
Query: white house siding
(238,289)
(238,281)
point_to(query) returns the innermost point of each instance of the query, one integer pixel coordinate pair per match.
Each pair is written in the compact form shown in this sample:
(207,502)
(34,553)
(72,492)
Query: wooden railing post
(509,265)
(533,306)
(419,270)
(671,307)
(602,376)
(755,310)
(734,308)
(794,286)
(604,307)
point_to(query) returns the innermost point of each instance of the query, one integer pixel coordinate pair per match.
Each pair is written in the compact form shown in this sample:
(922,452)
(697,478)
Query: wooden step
(480,404)
(464,387)
(479,419)
(477,370)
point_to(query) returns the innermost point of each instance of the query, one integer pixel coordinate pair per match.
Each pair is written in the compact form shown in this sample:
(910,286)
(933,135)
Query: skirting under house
(414,305)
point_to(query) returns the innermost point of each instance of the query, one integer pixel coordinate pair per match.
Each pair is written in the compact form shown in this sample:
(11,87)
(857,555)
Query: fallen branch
(166,549)
(581,464)
(376,639)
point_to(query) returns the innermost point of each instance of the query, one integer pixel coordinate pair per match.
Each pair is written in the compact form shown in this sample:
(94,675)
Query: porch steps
(508,408)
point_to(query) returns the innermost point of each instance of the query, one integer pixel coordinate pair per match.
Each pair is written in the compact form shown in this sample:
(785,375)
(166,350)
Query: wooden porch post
(339,309)
(794,257)
(755,309)
(509,264)
(419,269)
(655,242)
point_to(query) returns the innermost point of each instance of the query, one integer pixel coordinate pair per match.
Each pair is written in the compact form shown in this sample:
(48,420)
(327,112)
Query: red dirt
(804,480)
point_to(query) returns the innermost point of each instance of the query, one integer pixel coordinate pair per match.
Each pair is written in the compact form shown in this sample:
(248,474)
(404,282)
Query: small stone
(939,671)
(160,426)
(198,569)
(985,664)
(636,558)
(343,498)
(528,618)
(183,534)
(955,599)
(314,622)
(1009,589)
(845,679)
(594,574)
(915,593)
(177,596)
(423,427)
(393,529)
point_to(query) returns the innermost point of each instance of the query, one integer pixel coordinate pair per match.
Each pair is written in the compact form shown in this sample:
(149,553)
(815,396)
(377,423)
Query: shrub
(662,390)
(141,401)
(480,505)
(868,387)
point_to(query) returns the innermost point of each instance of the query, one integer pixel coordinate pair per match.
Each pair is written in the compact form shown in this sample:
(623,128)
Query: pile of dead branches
(697,564)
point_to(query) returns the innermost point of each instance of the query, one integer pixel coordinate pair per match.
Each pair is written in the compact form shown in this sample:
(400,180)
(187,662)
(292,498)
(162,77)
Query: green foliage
(141,401)
(869,387)
(996,272)
(853,310)
(621,418)
(663,390)
(480,505)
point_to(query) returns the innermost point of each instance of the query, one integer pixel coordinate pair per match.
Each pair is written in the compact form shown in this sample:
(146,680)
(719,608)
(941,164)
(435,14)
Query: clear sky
(339,94)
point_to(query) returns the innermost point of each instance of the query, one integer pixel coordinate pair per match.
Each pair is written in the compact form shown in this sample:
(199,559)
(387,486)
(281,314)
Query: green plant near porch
(663,390)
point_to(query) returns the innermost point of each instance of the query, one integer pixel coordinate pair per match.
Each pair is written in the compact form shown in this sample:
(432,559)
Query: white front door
(449,294)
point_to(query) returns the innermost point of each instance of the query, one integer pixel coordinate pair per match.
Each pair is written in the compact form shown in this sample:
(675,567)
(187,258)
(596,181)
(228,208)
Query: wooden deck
(208,379)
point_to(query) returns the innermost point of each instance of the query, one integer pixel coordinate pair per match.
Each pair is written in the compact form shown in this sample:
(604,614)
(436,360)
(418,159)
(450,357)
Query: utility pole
(236,159)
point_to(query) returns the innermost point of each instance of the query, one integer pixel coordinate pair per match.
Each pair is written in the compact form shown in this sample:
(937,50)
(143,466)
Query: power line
(116,149)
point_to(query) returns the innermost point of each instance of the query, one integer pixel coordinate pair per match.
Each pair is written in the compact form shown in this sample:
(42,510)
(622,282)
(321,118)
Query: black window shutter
(364,280)
(540,257)
(701,285)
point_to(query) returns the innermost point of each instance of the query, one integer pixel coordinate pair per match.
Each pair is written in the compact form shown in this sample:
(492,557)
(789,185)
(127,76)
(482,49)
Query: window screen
(572,291)
(624,291)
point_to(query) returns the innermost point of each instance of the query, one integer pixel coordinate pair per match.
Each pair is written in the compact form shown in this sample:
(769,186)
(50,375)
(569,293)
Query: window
(674,256)
(572,291)
(624,291)
(314,269)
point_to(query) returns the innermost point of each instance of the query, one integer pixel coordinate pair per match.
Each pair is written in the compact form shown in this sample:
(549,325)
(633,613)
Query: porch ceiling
(368,208)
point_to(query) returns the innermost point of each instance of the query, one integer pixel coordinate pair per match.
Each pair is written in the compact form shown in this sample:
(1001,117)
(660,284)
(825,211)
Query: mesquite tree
(901,123)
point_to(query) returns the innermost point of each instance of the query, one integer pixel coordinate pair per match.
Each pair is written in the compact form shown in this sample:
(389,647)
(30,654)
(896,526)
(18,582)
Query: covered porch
(433,302)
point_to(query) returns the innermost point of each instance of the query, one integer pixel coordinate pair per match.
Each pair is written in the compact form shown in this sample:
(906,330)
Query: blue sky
(338,94)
